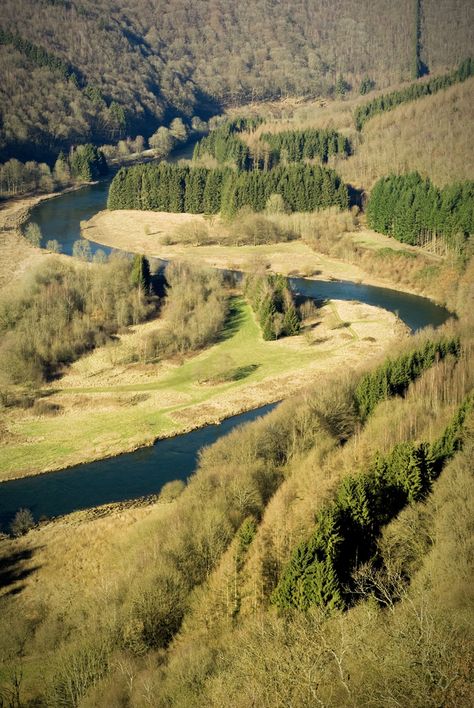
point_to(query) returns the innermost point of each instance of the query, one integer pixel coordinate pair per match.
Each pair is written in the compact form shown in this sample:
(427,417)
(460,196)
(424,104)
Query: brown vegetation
(61,310)
(133,63)
(212,576)
(194,312)
(430,136)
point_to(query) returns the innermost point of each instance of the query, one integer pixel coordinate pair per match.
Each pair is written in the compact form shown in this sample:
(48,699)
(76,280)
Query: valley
(236,354)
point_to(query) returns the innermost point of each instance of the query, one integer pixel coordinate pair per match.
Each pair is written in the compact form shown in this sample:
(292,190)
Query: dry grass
(17,256)
(113,404)
(126,230)
(431,135)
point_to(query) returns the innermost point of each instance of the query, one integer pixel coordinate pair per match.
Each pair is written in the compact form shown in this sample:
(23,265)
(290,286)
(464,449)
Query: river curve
(145,471)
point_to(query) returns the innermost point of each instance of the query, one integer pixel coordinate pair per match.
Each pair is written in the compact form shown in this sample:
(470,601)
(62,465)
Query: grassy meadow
(114,405)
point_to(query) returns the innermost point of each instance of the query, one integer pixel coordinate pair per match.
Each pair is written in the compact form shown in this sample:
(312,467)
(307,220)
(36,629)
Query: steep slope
(151,58)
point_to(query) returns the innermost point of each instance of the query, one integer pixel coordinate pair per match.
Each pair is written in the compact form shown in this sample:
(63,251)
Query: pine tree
(291,321)
(140,276)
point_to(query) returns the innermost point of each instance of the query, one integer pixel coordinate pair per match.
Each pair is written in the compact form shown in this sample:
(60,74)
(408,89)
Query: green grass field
(239,372)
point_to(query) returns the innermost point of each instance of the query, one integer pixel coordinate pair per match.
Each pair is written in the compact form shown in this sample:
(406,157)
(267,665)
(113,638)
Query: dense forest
(414,211)
(225,145)
(75,72)
(197,190)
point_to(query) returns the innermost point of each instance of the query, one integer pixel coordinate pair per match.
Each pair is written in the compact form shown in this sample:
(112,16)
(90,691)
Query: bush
(62,311)
(22,522)
(249,229)
(33,234)
(195,310)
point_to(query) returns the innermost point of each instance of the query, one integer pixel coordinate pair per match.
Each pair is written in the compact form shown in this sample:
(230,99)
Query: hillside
(236,379)
(132,586)
(429,135)
(75,71)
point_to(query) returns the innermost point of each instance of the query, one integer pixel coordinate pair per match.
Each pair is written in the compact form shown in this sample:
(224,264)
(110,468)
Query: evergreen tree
(140,276)
(291,321)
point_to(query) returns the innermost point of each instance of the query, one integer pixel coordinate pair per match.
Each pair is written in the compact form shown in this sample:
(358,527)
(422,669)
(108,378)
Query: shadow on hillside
(234,320)
(14,568)
(243,371)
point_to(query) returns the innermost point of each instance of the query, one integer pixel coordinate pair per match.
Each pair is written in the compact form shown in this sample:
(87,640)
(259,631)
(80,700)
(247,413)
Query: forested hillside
(356,495)
(76,71)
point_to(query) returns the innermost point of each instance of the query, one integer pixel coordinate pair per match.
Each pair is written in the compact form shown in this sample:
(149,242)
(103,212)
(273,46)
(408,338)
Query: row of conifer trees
(388,101)
(410,208)
(347,528)
(177,188)
(225,145)
(298,145)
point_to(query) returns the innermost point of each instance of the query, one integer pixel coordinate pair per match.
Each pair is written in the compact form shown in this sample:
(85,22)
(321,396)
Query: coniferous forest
(224,144)
(198,190)
(412,209)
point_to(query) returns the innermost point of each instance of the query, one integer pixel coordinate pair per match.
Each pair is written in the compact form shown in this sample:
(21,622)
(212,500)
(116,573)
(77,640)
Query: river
(145,471)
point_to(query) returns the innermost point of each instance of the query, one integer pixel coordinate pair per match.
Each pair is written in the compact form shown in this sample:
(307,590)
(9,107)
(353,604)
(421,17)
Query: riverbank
(109,403)
(17,255)
(150,233)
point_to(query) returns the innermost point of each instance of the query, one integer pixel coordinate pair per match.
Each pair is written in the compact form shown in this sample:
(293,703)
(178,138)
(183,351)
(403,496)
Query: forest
(83,163)
(320,571)
(196,190)
(413,210)
(224,144)
(127,70)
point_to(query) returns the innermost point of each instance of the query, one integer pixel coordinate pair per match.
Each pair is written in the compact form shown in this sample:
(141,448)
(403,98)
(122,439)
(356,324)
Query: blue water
(145,471)
(119,478)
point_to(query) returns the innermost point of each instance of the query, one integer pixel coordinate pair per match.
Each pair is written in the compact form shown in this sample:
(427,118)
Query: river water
(145,471)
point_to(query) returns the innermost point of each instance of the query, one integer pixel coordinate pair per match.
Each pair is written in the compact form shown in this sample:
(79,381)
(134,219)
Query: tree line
(274,306)
(389,100)
(224,144)
(82,163)
(411,208)
(177,188)
(298,145)
(65,310)
(347,529)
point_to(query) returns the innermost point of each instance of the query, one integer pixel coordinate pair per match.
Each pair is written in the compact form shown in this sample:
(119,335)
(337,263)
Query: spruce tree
(140,276)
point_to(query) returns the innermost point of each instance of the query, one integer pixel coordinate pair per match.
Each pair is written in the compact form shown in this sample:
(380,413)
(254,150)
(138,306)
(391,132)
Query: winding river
(145,471)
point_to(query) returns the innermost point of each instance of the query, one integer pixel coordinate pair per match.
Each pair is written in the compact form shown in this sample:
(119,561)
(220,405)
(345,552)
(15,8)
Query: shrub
(22,522)
(33,234)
